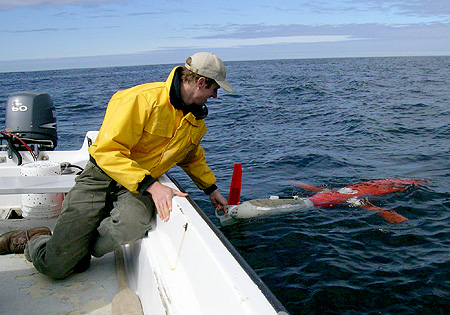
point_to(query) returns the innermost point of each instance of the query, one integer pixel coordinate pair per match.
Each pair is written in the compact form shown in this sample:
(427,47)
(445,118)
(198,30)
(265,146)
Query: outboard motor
(32,117)
(30,122)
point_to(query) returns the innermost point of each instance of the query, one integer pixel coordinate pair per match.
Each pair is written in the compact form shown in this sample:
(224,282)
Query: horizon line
(116,64)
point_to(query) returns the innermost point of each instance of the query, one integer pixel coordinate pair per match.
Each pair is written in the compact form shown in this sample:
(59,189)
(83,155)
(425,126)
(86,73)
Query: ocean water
(325,122)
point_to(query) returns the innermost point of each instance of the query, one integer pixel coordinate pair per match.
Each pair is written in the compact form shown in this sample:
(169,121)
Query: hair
(188,76)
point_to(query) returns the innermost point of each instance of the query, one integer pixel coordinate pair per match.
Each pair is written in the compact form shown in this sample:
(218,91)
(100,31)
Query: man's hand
(162,197)
(218,201)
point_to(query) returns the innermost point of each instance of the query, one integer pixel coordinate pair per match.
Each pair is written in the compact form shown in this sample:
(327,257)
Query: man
(147,130)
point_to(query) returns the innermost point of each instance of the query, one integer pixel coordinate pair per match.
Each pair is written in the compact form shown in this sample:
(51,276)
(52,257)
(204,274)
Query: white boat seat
(36,184)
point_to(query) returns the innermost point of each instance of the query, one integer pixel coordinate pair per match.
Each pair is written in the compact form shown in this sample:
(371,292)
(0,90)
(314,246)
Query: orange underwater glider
(355,194)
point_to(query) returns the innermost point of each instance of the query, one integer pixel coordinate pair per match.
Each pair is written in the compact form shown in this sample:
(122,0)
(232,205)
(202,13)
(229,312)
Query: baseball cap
(210,66)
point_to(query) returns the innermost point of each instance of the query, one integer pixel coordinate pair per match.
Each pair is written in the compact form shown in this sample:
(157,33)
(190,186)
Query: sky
(61,34)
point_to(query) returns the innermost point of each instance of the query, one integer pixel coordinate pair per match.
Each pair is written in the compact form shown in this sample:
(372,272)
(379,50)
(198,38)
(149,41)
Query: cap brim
(225,85)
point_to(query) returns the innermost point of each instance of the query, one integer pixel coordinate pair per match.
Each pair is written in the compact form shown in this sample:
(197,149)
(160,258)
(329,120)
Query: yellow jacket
(144,135)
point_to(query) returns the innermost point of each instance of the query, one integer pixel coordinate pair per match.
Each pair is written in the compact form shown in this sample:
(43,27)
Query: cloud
(417,8)
(343,31)
(266,41)
(54,29)
(13,4)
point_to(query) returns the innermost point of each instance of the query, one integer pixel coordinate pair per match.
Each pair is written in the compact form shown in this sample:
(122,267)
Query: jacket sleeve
(194,164)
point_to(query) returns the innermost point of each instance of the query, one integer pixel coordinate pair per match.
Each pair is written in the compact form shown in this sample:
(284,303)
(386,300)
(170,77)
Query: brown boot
(14,242)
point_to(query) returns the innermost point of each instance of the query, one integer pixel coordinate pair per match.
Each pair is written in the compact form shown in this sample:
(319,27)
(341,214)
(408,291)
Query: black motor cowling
(31,116)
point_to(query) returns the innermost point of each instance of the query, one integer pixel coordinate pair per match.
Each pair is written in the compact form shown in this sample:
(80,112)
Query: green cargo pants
(98,215)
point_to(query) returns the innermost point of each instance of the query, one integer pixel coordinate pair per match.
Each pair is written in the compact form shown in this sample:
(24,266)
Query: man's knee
(131,217)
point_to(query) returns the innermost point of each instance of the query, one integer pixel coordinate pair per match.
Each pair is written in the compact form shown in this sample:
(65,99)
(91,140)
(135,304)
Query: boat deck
(23,290)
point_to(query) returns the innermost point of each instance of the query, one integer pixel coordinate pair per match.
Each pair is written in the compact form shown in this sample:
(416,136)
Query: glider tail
(234,197)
